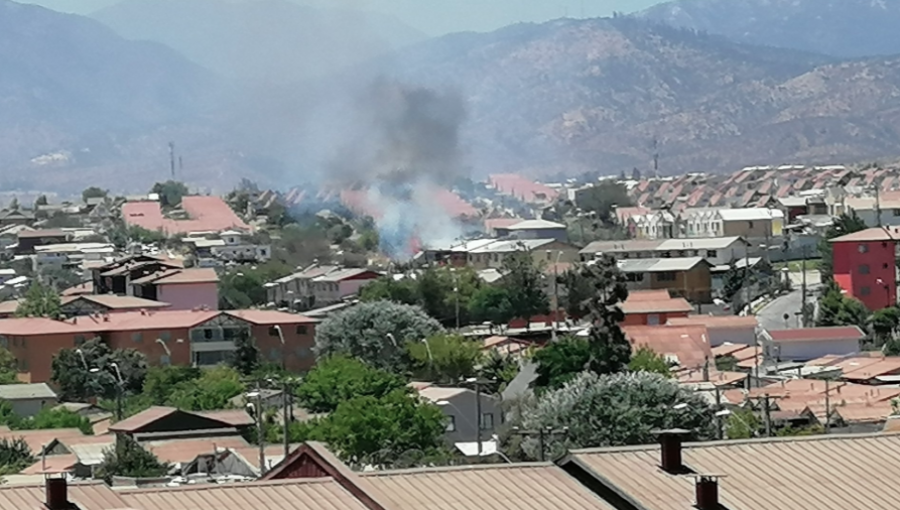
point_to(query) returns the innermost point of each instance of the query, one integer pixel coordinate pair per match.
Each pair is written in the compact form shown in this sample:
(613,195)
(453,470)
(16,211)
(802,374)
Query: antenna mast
(172,158)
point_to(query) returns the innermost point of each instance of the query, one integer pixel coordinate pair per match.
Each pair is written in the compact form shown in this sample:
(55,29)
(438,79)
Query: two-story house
(543,251)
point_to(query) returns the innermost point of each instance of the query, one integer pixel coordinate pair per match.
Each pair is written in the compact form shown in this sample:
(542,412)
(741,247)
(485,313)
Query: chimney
(670,450)
(57,493)
(707,491)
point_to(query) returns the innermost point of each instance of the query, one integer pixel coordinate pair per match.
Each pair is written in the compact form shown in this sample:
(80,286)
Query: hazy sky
(436,17)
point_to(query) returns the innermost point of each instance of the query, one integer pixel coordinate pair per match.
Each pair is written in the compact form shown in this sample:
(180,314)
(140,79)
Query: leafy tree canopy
(8,367)
(610,349)
(524,283)
(561,361)
(245,358)
(93,192)
(616,409)
(213,390)
(339,379)
(433,290)
(128,458)
(646,360)
(71,371)
(445,358)
(603,198)
(491,304)
(40,301)
(836,309)
(170,192)
(15,455)
(244,287)
(377,332)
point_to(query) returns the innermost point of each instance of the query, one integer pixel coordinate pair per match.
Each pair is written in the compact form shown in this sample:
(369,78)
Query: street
(772,315)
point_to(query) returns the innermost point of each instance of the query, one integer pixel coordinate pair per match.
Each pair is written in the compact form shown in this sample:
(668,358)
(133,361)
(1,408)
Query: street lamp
(120,385)
(727,412)
(165,346)
(256,411)
(887,290)
(555,293)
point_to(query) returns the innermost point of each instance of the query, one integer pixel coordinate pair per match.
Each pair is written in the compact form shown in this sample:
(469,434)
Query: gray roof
(708,243)
(622,246)
(342,274)
(535,225)
(514,245)
(660,265)
(26,391)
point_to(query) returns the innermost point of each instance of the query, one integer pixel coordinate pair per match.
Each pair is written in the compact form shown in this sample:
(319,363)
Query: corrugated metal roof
(870,234)
(750,214)
(513,245)
(816,334)
(494,487)
(296,494)
(535,225)
(621,246)
(686,345)
(717,322)
(37,439)
(91,454)
(270,317)
(797,473)
(712,243)
(670,305)
(659,265)
(186,450)
(26,391)
(88,496)
(142,419)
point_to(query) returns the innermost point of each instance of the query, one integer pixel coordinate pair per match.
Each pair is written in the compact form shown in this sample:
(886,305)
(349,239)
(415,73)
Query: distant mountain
(584,95)
(68,83)
(260,41)
(847,28)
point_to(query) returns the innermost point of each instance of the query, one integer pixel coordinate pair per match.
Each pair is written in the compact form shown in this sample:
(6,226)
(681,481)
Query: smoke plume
(405,152)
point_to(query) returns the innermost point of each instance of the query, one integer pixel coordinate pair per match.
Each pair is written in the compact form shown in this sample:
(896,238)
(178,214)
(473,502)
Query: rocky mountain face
(606,94)
(260,41)
(69,84)
(846,28)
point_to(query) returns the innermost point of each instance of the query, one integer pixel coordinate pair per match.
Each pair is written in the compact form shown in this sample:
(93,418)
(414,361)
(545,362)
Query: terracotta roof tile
(207,214)
(671,305)
(816,334)
(270,317)
(142,419)
(88,496)
(52,464)
(186,450)
(717,321)
(688,345)
(37,439)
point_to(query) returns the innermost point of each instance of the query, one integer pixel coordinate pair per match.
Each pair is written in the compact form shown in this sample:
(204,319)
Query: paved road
(772,315)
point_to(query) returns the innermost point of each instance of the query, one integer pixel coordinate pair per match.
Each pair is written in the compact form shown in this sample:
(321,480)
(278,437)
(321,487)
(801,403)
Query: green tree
(610,349)
(498,371)
(835,309)
(213,390)
(733,281)
(245,358)
(440,291)
(377,431)
(646,360)
(844,224)
(742,424)
(726,363)
(244,286)
(93,192)
(403,291)
(170,192)
(376,332)
(41,200)
(884,323)
(9,368)
(339,378)
(40,301)
(128,458)
(559,362)
(444,358)
(49,418)
(13,204)
(162,381)
(71,371)
(15,455)
(615,409)
(523,281)
(491,304)
(142,235)
(578,292)
(60,279)
(602,200)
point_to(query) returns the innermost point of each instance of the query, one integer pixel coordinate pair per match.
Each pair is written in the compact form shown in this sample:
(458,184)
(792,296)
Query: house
(10,217)
(179,337)
(335,286)
(27,399)
(703,222)
(228,246)
(198,214)
(73,255)
(534,229)
(724,329)
(89,304)
(27,240)
(546,251)
(183,289)
(804,344)
(864,266)
(717,250)
(653,307)
(682,346)
(688,277)
(461,406)
(753,223)
(875,212)
(158,423)
(116,277)
(295,291)
(9,235)
(735,475)
(659,224)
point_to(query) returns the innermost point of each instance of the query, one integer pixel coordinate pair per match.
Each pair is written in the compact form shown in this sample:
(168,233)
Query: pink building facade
(188,296)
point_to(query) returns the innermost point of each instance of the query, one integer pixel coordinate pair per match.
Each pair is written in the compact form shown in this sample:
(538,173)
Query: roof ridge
(235,485)
(470,467)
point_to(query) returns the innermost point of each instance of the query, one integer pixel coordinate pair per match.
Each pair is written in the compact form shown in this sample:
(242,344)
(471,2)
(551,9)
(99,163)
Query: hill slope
(848,28)
(67,80)
(572,95)
(269,41)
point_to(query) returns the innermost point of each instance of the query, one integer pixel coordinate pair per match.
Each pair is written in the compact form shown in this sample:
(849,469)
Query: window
(634,277)
(653,319)
(451,424)
(896,212)
(165,336)
(487,421)
(863,248)
(164,360)
(4,342)
(301,330)
(865,291)
(273,331)
(864,269)
(749,224)
(207,334)
(884,266)
(137,337)
(667,276)
(711,254)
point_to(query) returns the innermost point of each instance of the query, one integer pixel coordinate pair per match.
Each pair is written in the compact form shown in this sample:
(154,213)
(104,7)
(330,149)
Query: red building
(864,266)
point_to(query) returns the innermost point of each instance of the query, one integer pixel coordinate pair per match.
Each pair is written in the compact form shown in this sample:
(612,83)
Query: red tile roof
(648,295)
(670,305)
(192,275)
(358,201)
(142,419)
(716,321)
(689,344)
(869,234)
(816,334)
(523,188)
(207,214)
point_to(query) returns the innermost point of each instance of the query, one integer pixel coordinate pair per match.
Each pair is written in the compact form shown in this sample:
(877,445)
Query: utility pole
(877,206)
(286,416)
(803,312)
(767,402)
(260,437)
(478,425)
(827,406)
(172,158)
